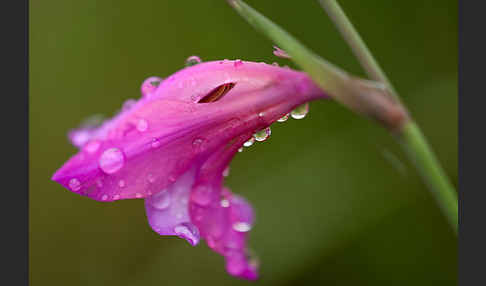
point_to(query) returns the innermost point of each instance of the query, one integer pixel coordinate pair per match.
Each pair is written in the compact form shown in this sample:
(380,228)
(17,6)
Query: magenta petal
(172,146)
(167,211)
(223,219)
(225,225)
(238,260)
(150,143)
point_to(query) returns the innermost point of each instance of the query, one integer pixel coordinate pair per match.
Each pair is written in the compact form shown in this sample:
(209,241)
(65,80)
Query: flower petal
(153,141)
(223,219)
(167,211)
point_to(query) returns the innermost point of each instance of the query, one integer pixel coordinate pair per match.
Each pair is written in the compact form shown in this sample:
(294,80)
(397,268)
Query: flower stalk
(376,99)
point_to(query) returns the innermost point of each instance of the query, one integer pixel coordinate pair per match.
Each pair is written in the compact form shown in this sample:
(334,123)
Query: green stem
(410,136)
(430,170)
(357,44)
(361,97)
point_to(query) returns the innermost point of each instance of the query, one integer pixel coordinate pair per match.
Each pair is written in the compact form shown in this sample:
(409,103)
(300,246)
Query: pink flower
(172,147)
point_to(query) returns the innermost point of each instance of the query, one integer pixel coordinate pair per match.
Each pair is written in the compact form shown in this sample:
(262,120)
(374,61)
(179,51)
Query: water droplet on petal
(284,118)
(192,60)
(104,197)
(150,85)
(242,226)
(226,172)
(161,200)
(240,149)
(142,125)
(249,142)
(300,111)
(262,135)
(197,144)
(225,203)
(74,184)
(121,183)
(188,231)
(261,114)
(155,83)
(155,143)
(111,160)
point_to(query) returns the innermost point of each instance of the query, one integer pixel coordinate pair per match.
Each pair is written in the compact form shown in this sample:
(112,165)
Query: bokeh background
(336,201)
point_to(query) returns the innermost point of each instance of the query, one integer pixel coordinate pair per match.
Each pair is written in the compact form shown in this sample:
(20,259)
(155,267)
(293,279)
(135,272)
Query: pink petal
(153,141)
(167,211)
(223,219)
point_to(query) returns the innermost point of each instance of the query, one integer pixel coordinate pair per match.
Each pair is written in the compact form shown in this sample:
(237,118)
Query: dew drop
(142,125)
(262,135)
(300,111)
(74,184)
(104,197)
(188,231)
(111,160)
(261,114)
(249,142)
(225,203)
(240,149)
(150,85)
(121,184)
(161,200)
(193,60)
(241,226)
(284,118)
(197,144)
(155,143)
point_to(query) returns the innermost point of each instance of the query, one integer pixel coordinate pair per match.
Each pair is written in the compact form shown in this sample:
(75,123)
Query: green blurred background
(336,201)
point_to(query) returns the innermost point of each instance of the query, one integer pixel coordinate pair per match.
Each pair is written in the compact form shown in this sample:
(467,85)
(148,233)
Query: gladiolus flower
(173,145)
